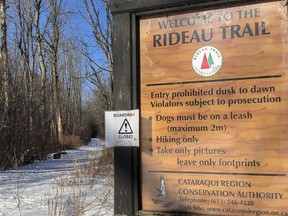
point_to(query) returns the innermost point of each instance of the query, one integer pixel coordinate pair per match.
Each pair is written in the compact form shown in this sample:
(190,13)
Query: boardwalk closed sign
(122,128)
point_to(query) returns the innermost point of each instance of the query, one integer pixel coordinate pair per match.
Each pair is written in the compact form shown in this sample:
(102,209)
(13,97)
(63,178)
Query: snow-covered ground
(59,187)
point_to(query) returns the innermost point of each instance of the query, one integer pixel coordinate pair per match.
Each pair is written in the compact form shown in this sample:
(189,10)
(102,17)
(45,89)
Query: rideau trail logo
(207,61)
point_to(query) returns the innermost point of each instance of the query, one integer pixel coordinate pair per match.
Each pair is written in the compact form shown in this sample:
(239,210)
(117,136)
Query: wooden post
(126,163)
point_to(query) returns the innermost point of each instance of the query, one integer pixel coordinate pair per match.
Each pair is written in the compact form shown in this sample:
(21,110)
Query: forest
(55,76)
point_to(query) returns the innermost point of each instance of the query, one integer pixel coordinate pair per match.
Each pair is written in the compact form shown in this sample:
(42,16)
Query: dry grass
(106,160)
(71,142)
(71,195)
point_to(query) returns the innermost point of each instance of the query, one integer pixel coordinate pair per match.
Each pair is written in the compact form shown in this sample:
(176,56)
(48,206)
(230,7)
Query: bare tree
(4,59)
(40,82)
(99,55)
(55,6)
(25,44)
(71,69)
(39,42)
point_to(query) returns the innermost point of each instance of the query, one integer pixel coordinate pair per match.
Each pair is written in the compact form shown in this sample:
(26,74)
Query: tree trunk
(55,77)
(4,59)
(39,41)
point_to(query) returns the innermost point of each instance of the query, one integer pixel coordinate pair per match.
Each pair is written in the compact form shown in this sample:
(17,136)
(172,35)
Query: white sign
(122,128)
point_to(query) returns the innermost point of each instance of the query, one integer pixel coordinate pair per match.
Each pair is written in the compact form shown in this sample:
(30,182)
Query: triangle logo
(125,128)
(205,64)
(210,60)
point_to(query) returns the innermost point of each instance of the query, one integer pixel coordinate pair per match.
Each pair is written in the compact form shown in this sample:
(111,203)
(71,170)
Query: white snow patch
(66,186)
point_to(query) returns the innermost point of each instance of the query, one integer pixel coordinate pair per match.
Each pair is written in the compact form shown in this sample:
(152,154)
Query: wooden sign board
(214,111)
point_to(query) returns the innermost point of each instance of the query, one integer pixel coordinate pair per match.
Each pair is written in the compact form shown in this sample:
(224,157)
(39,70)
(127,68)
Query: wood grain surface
(243,140)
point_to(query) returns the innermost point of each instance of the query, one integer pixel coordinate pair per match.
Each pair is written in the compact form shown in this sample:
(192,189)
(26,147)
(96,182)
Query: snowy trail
(63,186)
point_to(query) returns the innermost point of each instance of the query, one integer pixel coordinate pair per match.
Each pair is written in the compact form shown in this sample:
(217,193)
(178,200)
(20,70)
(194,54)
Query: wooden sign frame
(129,185)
